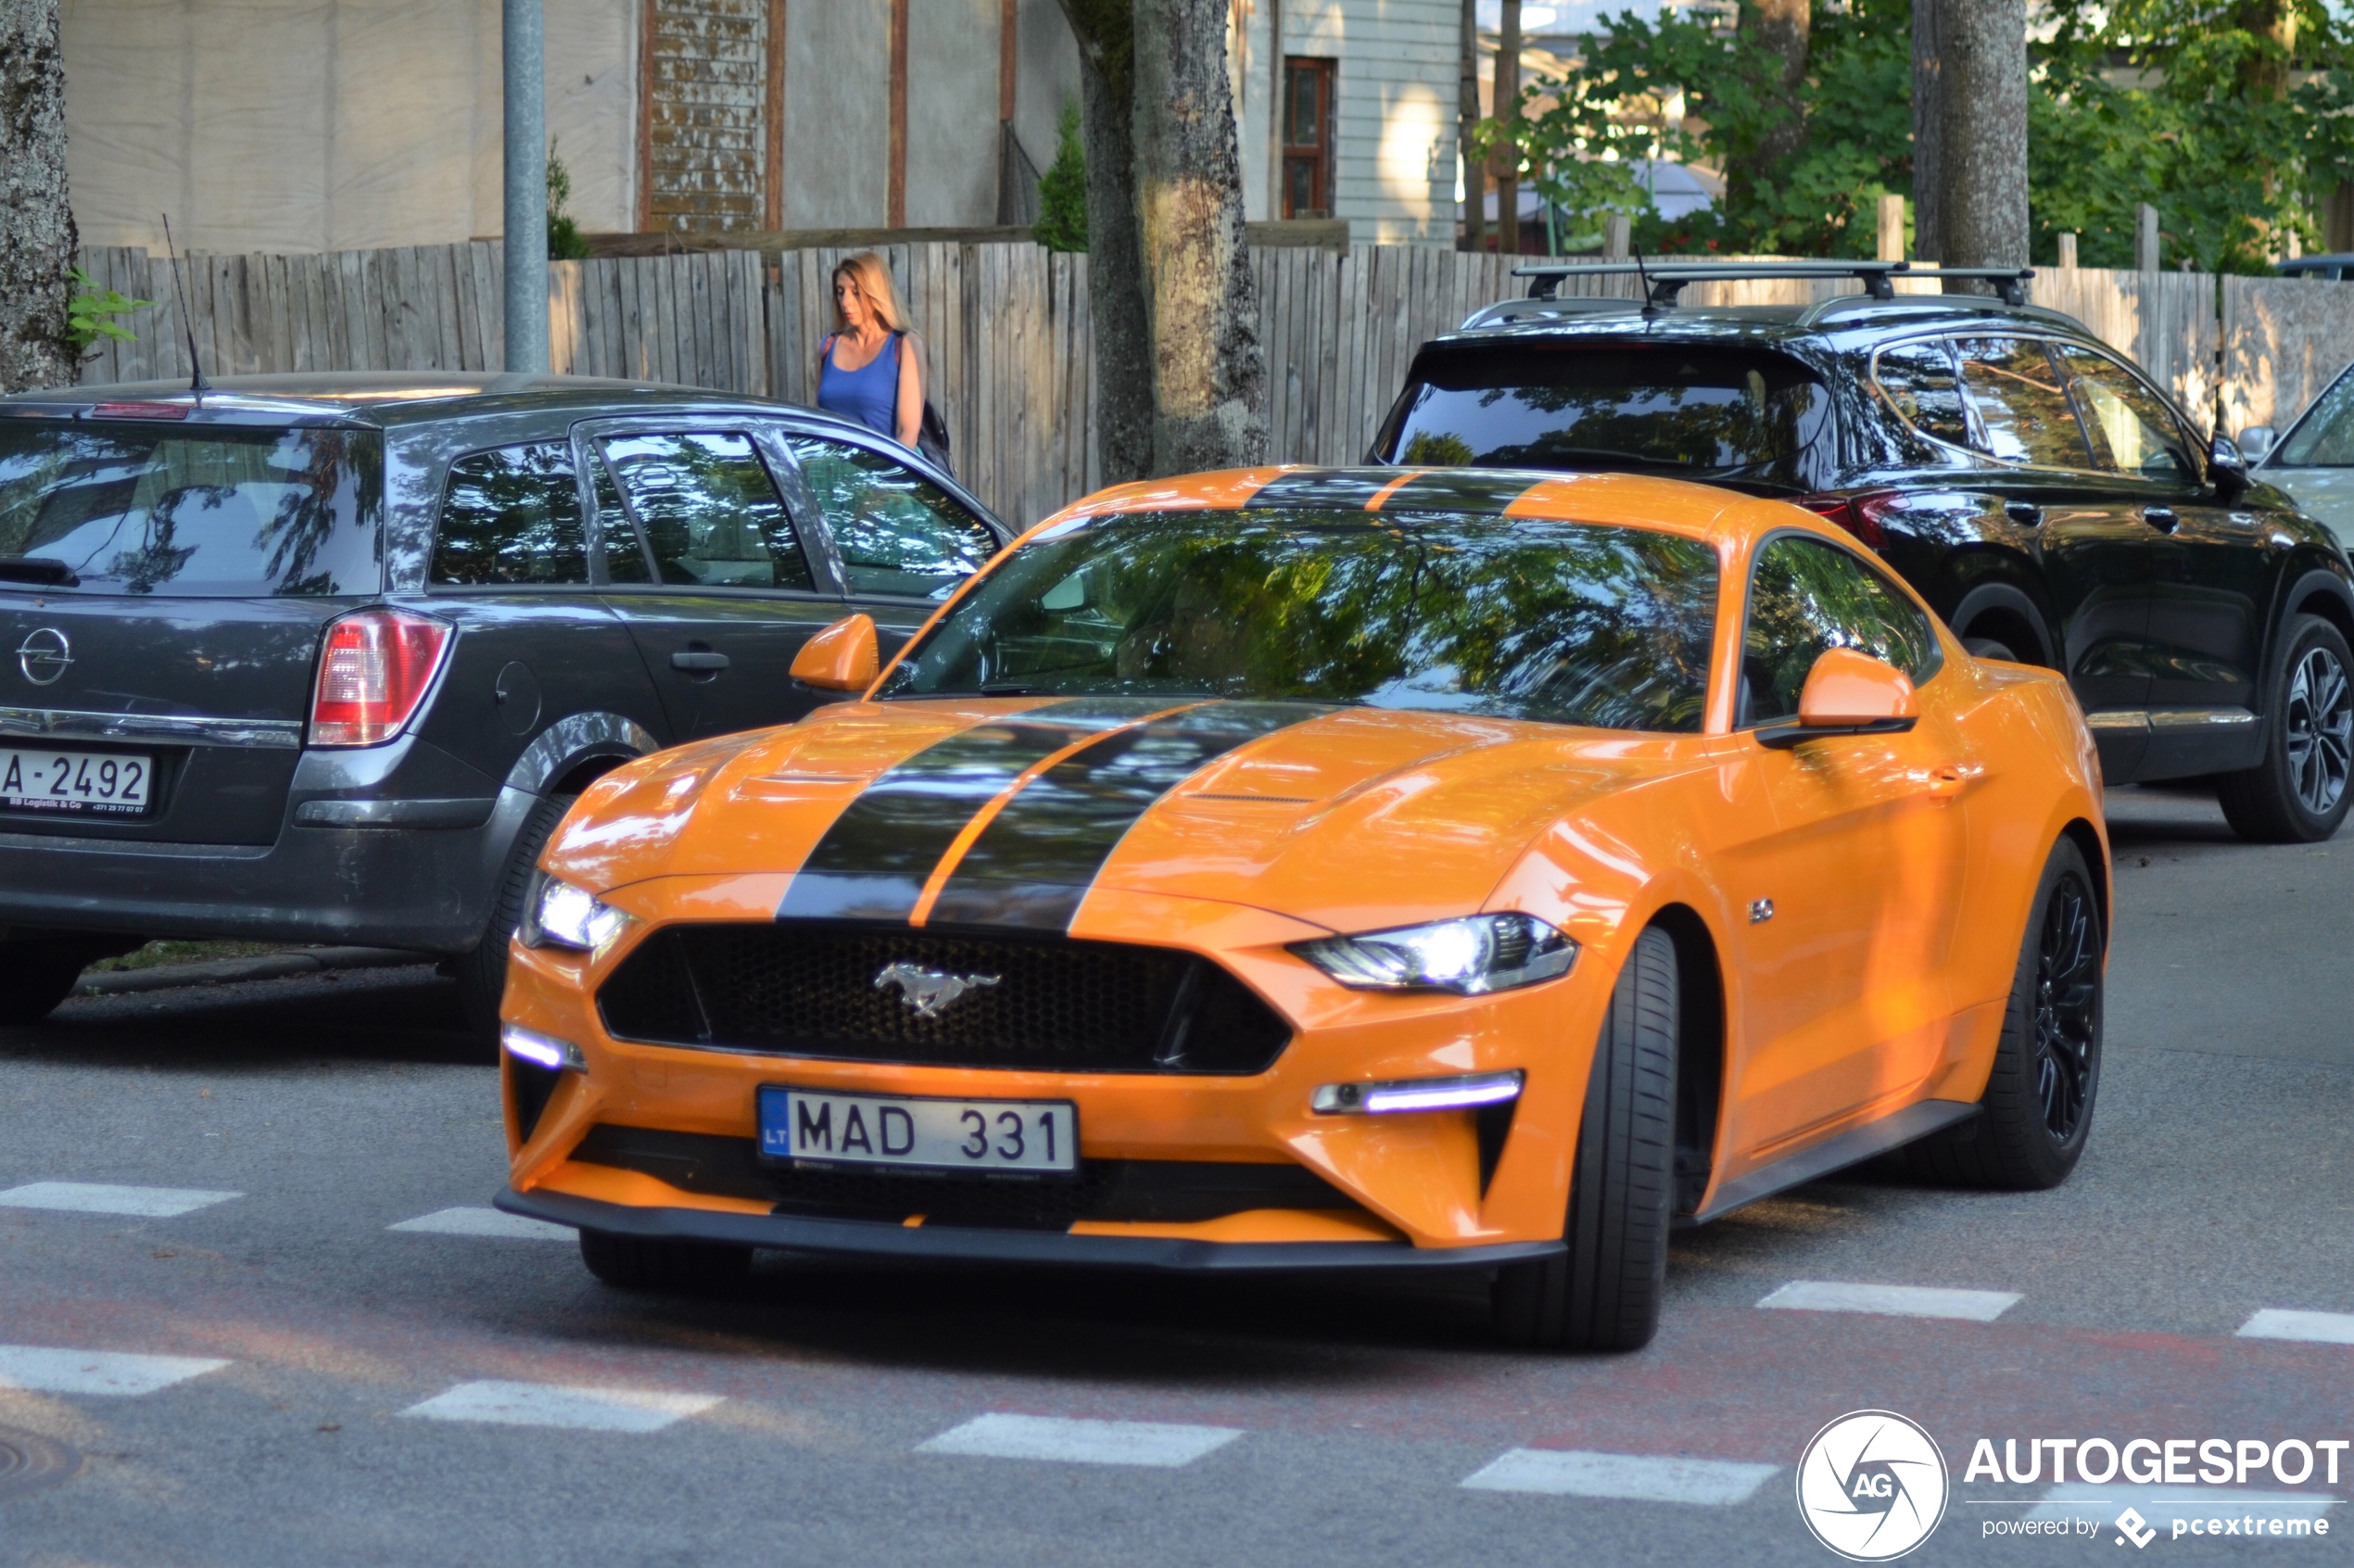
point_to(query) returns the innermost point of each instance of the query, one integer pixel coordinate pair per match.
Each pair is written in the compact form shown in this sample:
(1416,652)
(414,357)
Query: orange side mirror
(1847,690)
(844,657)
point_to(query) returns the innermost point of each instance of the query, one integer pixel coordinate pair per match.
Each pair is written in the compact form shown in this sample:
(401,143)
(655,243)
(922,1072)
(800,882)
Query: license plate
(82,783)
(921,1134)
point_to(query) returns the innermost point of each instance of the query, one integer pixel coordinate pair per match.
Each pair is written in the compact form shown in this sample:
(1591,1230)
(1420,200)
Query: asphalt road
(1311,1423)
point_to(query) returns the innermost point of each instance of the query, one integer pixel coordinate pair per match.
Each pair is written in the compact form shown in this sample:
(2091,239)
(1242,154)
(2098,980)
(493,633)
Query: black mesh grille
(809,988)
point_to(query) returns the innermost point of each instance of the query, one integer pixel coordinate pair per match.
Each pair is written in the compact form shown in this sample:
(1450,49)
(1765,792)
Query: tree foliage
(1062,190)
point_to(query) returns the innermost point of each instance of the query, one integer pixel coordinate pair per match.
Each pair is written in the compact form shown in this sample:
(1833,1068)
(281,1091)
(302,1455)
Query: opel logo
(45,655)
(928,993)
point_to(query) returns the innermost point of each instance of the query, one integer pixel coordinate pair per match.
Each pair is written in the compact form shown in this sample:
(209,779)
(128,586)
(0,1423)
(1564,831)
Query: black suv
(2046,499)
(323,658)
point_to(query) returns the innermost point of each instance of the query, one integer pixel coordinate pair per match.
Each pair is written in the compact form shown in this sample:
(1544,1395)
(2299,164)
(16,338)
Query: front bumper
(951,1244)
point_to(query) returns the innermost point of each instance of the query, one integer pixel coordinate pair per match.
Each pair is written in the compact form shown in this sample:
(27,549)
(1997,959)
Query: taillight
(373,672)
(1859,514)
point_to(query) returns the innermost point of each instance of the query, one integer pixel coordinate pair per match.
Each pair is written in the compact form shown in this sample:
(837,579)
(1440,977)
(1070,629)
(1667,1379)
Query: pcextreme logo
(1872,1486)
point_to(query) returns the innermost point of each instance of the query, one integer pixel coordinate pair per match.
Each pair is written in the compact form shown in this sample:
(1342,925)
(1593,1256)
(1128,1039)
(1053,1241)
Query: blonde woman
(867,369)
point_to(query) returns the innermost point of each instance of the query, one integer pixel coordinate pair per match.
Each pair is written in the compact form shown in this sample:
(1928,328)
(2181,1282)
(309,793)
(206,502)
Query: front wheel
(2297,794)
(1603,1293)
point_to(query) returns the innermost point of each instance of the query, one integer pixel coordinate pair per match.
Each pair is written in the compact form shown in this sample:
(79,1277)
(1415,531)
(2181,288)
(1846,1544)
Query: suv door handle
(701,661)
(2161,518)
(2026,513)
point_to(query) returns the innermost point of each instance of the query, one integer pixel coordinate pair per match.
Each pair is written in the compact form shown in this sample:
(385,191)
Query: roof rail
(1666,279)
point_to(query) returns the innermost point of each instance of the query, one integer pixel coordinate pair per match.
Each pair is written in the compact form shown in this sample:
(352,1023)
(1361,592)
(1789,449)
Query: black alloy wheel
(2300,792)
(2068,988)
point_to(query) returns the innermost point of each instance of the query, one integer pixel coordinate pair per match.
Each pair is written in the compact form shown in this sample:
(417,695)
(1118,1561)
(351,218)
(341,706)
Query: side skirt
(1853,1146)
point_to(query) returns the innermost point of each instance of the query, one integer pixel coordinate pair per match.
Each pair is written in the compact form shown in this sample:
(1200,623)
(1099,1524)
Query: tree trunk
(1779,30)
(1115,261)
(1929,209)
(1209,377)
(1504,94)
(37,238)
(1982,134)
(1475,237)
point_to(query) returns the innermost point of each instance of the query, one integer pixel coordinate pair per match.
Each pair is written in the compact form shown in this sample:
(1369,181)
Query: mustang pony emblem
(929,991)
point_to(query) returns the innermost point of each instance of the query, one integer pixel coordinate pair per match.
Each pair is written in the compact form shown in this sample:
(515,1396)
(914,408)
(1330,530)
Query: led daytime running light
(1465,1093)
(542,1050)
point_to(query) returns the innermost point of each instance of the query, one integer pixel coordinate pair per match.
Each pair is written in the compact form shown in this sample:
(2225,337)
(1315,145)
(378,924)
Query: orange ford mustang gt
(1296,868)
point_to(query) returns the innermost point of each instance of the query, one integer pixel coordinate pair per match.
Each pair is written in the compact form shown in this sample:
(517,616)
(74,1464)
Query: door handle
(1950,779)
(2025,512)
(2161,518)
(699,661)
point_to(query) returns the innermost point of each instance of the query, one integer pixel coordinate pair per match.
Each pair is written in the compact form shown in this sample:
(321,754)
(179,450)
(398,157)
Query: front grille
(809,988)
(1162,1191)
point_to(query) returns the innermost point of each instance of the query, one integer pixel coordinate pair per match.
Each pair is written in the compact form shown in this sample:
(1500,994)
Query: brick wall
(706,100)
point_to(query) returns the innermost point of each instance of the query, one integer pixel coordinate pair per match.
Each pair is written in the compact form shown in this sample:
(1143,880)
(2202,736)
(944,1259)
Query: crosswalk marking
(2161,1506)
(541,1404)
(486,1223)
(41,1368)
(98,1198)
(1630,1477)
(1901,1301)
(1081,1442)
(2316,1328)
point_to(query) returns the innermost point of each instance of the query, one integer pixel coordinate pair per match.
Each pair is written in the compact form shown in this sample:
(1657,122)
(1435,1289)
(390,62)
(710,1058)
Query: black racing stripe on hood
(1337,489)
(1459,491)
(1033,865)
(873,862)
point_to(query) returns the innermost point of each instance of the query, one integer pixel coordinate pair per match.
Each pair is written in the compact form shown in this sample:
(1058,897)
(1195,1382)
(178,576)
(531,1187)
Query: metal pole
(526,157)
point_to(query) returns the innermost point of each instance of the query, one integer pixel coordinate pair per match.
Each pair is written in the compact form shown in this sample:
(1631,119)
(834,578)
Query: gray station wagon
(323,658)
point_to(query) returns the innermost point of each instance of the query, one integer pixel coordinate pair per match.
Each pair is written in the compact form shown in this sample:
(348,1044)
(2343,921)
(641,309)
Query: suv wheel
(481,974)
(2298,794)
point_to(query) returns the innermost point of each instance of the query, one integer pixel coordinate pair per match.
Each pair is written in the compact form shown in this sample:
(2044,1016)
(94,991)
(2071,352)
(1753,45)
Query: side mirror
(844,657)
(2256,442)
(2226,470)
(1848,693)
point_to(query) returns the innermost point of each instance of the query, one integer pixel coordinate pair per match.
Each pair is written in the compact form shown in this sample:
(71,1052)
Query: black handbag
(931,431)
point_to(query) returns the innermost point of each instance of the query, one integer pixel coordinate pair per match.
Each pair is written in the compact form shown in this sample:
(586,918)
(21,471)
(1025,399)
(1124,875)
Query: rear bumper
(969,1245)
(399,883)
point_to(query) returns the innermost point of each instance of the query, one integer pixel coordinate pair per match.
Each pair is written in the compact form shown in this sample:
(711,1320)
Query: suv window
(2022,409)
(2131,431)
(1806,596)
(897,532)
(2324,437)
(709,510)
(511,516)
(1919,380)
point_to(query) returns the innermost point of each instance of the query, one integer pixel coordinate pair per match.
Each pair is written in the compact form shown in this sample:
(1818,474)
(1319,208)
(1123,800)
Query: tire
(1989,648)
(36,976)
(1604,1293)
(2037,1110)
(2300,792)
(482,973)
(651,1263)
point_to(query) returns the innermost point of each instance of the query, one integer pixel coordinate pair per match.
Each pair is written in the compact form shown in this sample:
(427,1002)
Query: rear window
(2324,437)
(210,512)
(1695,412)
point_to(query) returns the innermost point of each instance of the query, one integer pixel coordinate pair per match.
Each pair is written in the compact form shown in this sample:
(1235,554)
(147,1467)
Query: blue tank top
(869,394)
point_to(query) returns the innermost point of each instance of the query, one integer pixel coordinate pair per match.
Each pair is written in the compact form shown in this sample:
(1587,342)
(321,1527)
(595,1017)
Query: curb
(228,971)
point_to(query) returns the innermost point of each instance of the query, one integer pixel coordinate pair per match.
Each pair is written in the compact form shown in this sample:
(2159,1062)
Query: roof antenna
(197,386)
(1650,306)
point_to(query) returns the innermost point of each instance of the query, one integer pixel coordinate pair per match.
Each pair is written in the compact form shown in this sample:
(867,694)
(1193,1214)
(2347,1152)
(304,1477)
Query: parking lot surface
(255,1309)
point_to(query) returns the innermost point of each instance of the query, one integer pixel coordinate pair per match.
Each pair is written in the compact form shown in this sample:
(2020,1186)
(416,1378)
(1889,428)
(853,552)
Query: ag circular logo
(1872,1485)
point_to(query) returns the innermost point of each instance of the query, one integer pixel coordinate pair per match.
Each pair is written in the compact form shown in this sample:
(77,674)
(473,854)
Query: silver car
(2314,461)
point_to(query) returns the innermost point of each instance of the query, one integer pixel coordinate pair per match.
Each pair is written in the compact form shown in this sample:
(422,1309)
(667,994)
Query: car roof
(1844,321)
(385,399)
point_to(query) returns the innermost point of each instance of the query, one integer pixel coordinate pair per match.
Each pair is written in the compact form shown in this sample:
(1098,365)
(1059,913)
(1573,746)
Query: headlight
(559,914)
(1476,953)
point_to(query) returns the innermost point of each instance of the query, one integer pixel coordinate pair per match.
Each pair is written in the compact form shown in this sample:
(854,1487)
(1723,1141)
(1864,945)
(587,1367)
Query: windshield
(223,513)
(2324,437)
(1571,623)
(1699,412)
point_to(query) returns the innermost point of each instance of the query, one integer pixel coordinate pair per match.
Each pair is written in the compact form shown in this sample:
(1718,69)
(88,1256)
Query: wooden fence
(1007,331)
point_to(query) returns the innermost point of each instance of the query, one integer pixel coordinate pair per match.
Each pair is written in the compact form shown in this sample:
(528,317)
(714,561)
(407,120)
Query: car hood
(1010,812)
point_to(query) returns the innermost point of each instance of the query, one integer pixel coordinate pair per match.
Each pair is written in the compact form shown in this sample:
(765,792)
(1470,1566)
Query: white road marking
(1634,1477)
(541,1404)
(2162,1505)
(486,1222)
(1898,1301)
(2316,1328)
(1079,1442)
(39,1369)
(96,1198)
